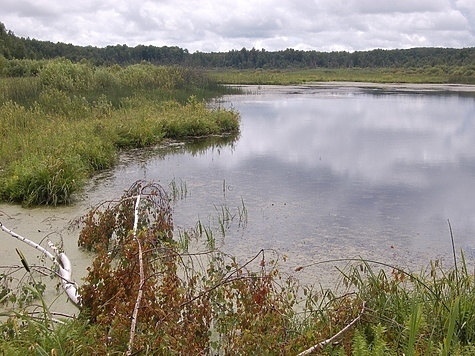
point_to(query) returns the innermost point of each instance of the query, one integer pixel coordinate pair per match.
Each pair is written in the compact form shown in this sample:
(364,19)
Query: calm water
(323,172)
(330,172)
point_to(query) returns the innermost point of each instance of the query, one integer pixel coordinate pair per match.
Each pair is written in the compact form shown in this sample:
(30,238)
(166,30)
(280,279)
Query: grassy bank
(391,75)
(146,293)
(69,120)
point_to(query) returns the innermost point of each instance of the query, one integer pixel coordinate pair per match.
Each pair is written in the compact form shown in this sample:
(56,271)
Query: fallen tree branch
(60,260)
(142,280)
(28,242)
(324,343)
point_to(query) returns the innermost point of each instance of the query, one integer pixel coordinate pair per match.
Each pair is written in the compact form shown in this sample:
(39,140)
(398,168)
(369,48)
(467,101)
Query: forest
(14,47)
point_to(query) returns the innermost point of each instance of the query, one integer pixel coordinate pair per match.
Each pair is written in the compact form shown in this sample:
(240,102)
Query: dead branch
(59,259)
(324,343)
(142,280)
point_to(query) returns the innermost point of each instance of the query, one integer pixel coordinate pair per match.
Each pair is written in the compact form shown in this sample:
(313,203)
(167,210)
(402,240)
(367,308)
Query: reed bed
(70,120)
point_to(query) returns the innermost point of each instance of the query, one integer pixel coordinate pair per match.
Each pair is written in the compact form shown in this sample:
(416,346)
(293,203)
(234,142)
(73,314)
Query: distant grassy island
(423,75)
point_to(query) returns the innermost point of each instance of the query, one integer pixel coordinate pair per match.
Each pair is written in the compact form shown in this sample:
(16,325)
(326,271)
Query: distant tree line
(14,47)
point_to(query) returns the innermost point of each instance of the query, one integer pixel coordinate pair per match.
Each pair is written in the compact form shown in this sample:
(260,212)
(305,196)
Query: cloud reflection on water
(342,172)
(371,137)
(393,164)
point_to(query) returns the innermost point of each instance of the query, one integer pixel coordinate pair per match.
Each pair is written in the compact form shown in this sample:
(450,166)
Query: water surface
(333,171)
(325,172)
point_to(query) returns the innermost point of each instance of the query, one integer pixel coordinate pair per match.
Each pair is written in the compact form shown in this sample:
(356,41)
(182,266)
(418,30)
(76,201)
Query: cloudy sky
(222,25)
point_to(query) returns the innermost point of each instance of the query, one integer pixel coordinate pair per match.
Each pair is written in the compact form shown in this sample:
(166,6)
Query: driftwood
(59,259)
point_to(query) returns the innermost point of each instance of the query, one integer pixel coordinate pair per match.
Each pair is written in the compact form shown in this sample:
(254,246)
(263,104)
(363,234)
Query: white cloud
(213,25)
(400,6)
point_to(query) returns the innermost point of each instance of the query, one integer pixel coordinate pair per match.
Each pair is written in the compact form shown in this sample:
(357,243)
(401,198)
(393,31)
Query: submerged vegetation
(67,120)
(148,293)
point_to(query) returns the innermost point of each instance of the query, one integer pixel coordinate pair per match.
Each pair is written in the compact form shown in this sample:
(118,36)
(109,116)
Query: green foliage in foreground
(58,128)
(428,74)
(210,303)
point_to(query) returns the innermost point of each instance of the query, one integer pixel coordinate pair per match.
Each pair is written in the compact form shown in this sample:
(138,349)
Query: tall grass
(61,126)
(430,312)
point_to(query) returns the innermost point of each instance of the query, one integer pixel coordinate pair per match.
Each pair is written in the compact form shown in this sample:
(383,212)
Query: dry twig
(324,343)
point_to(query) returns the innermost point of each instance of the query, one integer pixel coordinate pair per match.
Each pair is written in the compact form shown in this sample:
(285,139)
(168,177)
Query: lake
(318,172)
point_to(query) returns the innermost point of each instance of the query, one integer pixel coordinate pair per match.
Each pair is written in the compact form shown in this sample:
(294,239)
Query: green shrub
(58,103)
(62,74)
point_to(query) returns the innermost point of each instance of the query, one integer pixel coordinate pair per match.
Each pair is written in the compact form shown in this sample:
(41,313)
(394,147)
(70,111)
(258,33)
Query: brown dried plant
(191,303)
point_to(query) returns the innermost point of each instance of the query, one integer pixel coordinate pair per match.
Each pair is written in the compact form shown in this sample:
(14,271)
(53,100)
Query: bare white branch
(142,280)
(60,260)
(324,343)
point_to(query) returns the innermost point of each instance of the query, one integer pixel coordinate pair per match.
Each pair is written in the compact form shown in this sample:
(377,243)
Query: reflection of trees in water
(194,146)
(203,144)
(418,90)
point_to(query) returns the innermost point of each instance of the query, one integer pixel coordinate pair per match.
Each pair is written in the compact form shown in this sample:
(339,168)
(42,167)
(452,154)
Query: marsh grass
(424,313)
(20,90)
(225,218)
(242,214)
(69,121)
(441,74)
(178,190)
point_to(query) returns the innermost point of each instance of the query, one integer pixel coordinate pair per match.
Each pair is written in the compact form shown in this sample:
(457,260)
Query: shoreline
(402,87)
(398,86)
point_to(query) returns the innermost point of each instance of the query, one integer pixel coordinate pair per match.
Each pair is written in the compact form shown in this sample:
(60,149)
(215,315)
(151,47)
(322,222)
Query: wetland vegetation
(435,75)
(146,292)
(69,120)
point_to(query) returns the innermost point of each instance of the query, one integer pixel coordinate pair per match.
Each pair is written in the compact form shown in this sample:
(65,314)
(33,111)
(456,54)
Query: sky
(222,25)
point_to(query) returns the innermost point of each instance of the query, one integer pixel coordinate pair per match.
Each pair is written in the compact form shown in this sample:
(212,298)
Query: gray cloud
(213,25)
